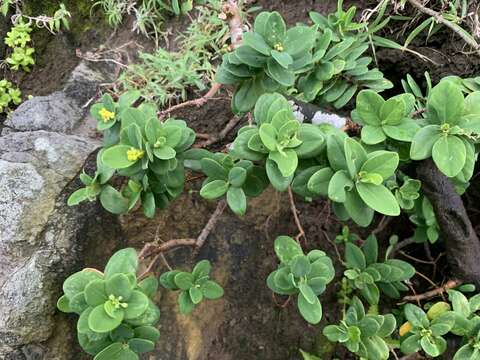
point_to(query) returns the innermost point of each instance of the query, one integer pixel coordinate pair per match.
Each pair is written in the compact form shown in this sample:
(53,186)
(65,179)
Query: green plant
(370,276)
(9,95)
(407,193)
(299,60)
(467,324)
(236,179)
(21,57)
(425,332)
(424,218)
(346,236)
(363,334)
(277,138)
(304,275)
(194,286)
(117,315)
(164,77)
(453,123)
(17,39)
(179,7)
(382,119)
(136,145)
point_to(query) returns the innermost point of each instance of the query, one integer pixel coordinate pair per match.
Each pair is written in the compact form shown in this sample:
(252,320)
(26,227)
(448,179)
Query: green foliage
(467,324)
(382,119)
(179,7)
(138,146)
(235,179)
(346,236)
(303,275)
(9,95)
(17,39)
(370,276)
(194,286)
(452,125)
(424,218)
(278,138)
(117,315)
(165,77)
(426,333)
(407,193)
(300,60)
(363,334)
(147,14)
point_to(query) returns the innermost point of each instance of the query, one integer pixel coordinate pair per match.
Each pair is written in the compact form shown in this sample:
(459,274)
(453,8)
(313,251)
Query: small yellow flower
(134,154)
(106,115)
(278,47)
(405,328)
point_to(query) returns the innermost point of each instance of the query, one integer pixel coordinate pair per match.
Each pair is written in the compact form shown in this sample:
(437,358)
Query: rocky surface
(43,147)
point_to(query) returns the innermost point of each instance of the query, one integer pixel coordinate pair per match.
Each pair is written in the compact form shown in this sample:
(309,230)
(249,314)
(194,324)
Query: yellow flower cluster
(106,115)
(134,154)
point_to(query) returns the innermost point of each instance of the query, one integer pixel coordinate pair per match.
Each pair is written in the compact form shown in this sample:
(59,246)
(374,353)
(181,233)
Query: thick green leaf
(369,105)
(278,181)
(76,283)
(355,257)
(211,290)
(101,322)
(116,157)
(282,58)
(124,261)
(137,305)
(383,163)
(449,154)
(278,73)
(113,201)
(237,200)
(184,280)
(287,161)
(312,313)
(423,142)
(95,293)
(286,249)
(214,189)
(379,198)
(372,134)
(339,185)
(445,104)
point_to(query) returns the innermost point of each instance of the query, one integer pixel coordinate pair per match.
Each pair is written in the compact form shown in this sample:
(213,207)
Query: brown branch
(157,251)
(461,241)
(151,250)
(294,210)
(196,102)
(450,284)
(210,224)
(440,19)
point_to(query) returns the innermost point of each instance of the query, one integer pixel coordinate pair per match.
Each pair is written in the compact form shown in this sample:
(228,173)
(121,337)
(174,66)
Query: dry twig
(450,284)
(301,232)
(157,251)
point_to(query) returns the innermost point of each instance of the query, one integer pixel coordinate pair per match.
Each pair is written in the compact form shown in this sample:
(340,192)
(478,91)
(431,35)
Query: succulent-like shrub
(303,275)
(117,316)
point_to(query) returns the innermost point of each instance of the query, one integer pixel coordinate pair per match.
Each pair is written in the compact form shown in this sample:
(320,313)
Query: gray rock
(43,148)
(38,232)
(63,111)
